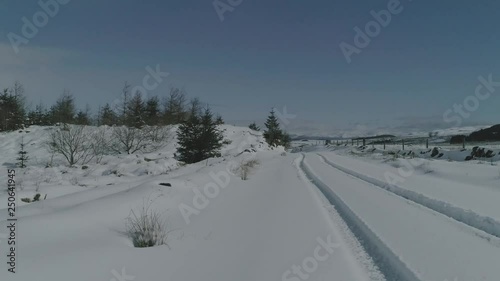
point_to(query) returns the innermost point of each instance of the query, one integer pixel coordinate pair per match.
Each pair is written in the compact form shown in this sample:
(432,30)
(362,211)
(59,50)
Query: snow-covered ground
(273,226)
(322,214)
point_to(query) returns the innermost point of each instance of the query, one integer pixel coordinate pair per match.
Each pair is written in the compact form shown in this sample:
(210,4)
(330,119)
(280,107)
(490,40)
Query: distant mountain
(311,130)
(399,132)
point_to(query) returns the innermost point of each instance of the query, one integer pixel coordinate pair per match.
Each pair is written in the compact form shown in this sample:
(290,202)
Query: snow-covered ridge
(363,131)
(49,174)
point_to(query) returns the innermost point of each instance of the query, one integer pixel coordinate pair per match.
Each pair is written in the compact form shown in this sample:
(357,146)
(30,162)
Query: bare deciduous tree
(145,140)
(99,144)
(72,143)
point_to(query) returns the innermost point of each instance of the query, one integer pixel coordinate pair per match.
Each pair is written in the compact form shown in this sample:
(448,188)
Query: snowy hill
(59,179)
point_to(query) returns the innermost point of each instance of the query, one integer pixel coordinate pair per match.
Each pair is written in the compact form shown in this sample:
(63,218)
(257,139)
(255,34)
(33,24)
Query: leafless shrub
(99,144)
(127,140)
(159,137)
(72,143)
(145,140)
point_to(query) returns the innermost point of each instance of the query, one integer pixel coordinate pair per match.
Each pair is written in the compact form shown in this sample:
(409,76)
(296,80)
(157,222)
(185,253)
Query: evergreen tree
(23,155)
(39,117)
(211,137)
(175,107)
(107,116)
(12,111)
(273,133)
(135,112)
(188,135)
(122,107)
(64,110)
(219,120)
(254,127)
(195,107)
(82,118)
(152,111)
(199,138)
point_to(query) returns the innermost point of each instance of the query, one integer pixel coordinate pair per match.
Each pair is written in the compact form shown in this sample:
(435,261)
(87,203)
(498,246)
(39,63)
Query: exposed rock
(435,152)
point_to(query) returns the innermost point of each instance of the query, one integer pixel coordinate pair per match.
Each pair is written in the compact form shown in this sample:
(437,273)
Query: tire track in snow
(468,217)
(389,263)
(340,227)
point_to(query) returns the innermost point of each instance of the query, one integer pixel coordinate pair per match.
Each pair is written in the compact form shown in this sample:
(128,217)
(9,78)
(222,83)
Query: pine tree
(39,116)
(211,137)
(273,133)
(12,111)
(23,155)
(195,107)
(64,110)
(175,107)
(83,117)
(152,111)
(107,116)
(254,127)
(188,134)
(219,120)
(199,138)
(122,107)
(135,112)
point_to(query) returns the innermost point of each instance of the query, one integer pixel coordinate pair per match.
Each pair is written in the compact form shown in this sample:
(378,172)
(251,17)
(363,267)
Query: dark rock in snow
(435,152)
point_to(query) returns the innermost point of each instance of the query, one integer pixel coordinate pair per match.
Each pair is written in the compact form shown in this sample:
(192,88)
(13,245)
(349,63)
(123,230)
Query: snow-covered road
(427,243)
(274,226)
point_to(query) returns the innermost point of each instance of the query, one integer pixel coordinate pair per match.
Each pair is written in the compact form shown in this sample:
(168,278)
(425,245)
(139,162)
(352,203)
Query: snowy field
(325,213)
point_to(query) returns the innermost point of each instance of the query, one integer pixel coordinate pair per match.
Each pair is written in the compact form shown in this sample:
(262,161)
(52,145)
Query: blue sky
(264,54)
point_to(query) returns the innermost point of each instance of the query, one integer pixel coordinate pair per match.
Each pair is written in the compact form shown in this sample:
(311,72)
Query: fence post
(427,143)
(384,144)
(403,142)
(364,142)
(463,143)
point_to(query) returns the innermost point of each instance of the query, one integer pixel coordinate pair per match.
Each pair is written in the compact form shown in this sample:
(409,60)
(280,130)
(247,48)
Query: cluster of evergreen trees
(198,136)
(133,110)
(12,108)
